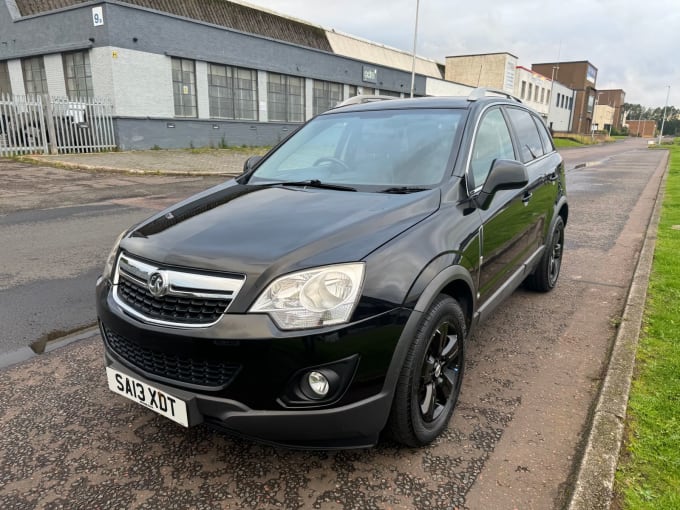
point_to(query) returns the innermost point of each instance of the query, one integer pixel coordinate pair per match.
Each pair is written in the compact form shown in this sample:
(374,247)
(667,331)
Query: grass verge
(566,142)
(648,475)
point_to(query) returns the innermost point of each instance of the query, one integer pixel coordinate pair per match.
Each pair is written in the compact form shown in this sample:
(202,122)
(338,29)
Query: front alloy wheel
(430,380)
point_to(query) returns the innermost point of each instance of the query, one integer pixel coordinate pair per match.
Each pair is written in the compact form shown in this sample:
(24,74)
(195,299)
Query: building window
(326,95)
(78,74)
(369,91)
(285,98)
(542,95)
(232,92)
(536,94)
(530,90)
(557,101)
(352,91)
(524,88)
(184,87)
(5,85)
(571,103)
(547,97)
(35,81)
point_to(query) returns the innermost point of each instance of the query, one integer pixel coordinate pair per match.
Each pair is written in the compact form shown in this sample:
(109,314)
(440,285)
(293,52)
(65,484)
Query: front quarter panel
(400,271)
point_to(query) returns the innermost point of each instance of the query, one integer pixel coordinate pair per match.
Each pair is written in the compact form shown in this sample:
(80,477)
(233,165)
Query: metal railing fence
(44,124)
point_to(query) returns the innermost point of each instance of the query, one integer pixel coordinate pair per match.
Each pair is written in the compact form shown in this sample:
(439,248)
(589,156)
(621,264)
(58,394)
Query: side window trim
(515,136)
(544,135)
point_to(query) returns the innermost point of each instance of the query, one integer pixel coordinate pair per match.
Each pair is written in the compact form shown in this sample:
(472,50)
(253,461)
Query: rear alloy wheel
(430,380)
(544,277)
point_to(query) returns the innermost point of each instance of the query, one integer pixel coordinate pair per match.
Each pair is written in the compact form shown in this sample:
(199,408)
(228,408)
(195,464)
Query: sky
(634,44)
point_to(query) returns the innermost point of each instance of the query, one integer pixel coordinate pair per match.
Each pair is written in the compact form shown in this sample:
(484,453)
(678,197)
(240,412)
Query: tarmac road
(532,373)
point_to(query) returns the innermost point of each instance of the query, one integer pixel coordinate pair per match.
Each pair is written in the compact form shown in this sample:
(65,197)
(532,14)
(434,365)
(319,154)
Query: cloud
(633,44)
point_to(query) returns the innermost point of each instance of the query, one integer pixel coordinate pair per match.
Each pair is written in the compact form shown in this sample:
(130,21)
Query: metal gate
(44,124)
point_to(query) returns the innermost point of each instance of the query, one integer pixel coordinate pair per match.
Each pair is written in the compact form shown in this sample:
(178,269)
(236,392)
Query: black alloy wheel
(440,372)
(555,260)
(431,377)
(544,278)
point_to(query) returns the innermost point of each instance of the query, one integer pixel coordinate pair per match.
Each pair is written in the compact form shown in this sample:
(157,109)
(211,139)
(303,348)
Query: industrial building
(218,72)
(183,72)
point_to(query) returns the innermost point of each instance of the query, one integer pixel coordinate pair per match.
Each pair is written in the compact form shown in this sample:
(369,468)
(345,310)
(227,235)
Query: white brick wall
(16,77)
(102,72)
(262,88)
(141,84)
(202,98)
(54,72)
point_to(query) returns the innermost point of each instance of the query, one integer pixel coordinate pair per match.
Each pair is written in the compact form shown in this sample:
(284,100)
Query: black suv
(328,292)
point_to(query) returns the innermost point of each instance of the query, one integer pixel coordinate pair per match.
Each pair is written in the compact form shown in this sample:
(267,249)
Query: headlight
(111,259)
(312,298)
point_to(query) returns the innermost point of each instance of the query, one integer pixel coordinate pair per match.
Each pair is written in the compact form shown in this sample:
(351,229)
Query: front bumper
(258,399)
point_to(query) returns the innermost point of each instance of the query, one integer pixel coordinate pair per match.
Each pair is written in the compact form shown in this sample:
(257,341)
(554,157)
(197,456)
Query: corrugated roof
(217,12)
(355,47)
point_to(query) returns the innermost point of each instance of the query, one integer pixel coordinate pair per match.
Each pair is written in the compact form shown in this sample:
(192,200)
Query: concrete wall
(494,70)
(436,87)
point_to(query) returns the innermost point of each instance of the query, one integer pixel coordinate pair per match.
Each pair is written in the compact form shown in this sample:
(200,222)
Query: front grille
(187,370)
(170,308)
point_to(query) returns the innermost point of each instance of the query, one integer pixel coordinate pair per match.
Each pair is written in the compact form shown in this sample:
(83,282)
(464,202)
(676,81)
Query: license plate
(148,396)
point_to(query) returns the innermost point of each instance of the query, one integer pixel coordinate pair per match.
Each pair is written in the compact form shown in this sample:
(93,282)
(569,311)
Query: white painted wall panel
(54,73)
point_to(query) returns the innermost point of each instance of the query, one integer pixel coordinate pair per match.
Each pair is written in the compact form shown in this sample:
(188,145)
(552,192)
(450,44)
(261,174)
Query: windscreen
(371,148)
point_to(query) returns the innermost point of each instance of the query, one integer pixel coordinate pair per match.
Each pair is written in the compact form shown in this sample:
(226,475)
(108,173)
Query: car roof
(368,103)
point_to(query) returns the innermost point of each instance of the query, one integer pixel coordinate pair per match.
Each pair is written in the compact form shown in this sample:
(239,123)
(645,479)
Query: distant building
(643,128)
(615,99)
(581,77)
(551,99)
(603,118)
(491,70)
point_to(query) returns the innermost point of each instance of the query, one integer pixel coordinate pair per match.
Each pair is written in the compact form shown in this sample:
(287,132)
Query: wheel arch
(454,281)
(563,210)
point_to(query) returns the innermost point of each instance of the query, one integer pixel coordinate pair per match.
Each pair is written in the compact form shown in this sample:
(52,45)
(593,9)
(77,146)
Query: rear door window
(545,136)
(530,145)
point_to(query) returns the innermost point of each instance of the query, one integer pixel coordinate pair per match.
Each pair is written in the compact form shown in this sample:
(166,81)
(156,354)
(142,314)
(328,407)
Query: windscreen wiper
(403,189)
(311,183)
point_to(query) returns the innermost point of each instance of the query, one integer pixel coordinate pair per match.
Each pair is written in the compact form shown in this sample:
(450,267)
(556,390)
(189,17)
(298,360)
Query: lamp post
(663,117)
(415,40)
(555,70)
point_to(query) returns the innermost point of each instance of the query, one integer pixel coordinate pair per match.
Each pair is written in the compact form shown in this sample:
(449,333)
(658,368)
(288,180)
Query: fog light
(318,383)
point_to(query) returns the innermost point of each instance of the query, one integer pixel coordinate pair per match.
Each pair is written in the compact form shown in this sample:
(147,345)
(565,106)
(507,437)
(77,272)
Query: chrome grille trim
(181,284)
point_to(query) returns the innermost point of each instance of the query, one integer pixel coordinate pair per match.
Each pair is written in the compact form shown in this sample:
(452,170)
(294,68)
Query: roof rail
(361,99)
(481,92)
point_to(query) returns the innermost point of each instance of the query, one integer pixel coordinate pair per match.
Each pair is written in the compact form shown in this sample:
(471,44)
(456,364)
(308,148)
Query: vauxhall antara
(327,294)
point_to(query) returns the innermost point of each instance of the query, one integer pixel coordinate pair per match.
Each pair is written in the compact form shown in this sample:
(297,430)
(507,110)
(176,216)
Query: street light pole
(663,118)
(415,40)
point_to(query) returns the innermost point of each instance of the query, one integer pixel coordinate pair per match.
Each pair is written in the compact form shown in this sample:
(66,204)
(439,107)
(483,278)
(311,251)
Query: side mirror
(250,163)
(504,174)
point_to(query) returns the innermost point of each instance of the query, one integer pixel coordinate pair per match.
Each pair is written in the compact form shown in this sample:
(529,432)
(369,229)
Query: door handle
(553,176)
(527,196)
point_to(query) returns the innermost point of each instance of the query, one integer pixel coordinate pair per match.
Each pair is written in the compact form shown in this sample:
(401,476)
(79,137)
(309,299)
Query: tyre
(544,277)
(430,379)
